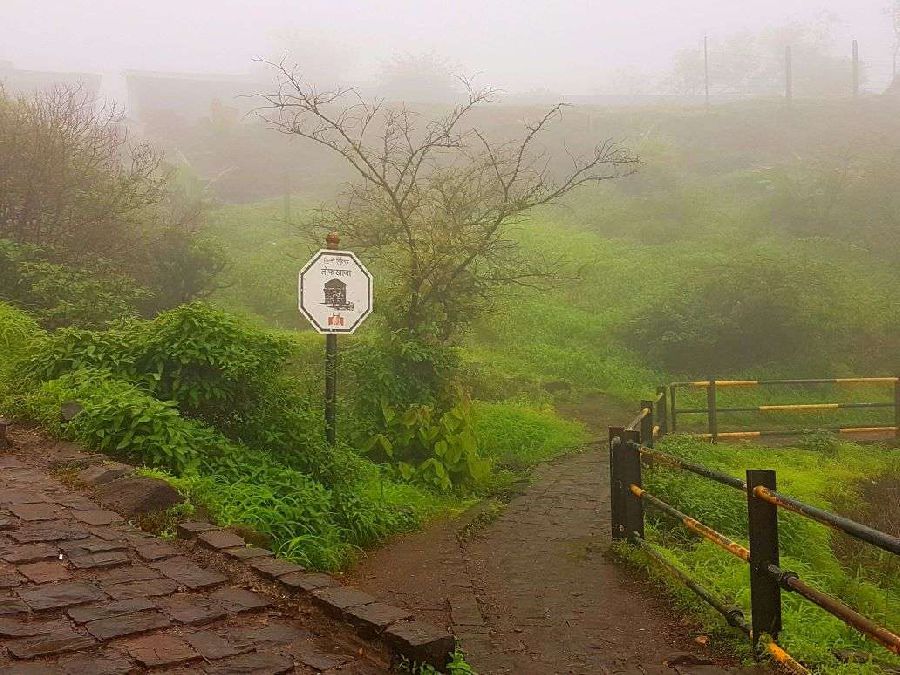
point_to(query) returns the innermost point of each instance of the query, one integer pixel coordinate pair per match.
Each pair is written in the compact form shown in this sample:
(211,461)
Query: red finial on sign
(333,240)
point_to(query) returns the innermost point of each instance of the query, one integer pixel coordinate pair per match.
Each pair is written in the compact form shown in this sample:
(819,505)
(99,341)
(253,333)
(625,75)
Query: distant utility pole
(706,67)
(788,75)
(855,69)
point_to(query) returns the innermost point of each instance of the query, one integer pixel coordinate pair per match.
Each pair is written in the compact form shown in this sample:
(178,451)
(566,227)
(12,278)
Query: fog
(574,47)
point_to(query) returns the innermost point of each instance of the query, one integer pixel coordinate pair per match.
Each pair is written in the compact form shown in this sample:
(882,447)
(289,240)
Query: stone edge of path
(416,640)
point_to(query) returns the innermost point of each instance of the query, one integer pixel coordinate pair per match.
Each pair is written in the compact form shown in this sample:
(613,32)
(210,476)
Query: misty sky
(564,46)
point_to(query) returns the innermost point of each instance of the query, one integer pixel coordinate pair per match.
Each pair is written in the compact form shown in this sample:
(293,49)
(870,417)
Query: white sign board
(335,291)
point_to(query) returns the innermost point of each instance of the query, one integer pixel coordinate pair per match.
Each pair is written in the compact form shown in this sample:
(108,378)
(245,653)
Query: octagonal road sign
(335,291)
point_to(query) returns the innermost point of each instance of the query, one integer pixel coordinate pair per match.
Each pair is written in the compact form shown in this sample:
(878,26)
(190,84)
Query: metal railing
(668,412)
(630,447)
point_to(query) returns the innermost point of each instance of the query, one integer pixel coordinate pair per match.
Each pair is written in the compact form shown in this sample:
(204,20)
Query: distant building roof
(18,81)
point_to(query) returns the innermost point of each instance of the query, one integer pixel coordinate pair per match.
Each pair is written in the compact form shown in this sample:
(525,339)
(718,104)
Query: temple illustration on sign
(336,295)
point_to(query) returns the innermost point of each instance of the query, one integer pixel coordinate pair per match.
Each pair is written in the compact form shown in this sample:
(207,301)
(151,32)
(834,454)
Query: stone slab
(121,575)
(374,618)
(145,588)
(46,532)
(188,574)
(156,550)
(154,651)
(85,613)
(102,559)
(247,553)
(421,642)
(307,582)
(210,646)
(29,553)
(57,642)
(97,517)
(191,528)
(127,624)
(193,610)
(34,512)
(259,662)
(238,600)
(272,568)
(45,572)
(96,664)
(10,605)
(61,595)
(336,599)
(219,539)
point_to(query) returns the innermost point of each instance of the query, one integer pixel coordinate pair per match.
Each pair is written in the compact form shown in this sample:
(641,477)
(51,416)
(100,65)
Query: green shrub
(440,450)
(18,331)
(121,419)
(745,314)
(209,362)
(62,295)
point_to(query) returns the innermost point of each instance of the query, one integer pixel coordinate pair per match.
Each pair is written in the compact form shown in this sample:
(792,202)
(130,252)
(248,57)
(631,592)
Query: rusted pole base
(4,440)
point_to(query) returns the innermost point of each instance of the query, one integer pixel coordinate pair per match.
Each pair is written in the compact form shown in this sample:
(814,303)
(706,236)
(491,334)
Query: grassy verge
(822,471)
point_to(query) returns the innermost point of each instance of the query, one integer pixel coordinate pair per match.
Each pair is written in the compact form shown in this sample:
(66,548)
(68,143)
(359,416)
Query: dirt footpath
(533,591)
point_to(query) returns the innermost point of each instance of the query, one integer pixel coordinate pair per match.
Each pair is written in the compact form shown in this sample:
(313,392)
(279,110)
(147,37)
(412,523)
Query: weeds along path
(530,589)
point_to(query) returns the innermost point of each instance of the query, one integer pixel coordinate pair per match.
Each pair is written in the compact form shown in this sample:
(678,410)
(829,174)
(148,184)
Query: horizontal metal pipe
(877,538)
(795,432)
(678,463)
(834,606)
(733,615)
(832,380)
(694,525)
(789,407)
(785,659)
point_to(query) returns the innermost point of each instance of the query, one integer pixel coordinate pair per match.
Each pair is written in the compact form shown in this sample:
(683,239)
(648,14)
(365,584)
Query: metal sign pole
(332,242)
(335,293)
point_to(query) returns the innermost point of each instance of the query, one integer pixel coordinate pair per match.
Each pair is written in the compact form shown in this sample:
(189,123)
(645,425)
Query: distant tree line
(76,197)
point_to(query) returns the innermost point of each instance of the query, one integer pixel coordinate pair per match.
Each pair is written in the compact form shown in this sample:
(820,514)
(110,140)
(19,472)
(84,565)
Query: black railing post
(712,418)
(662,411)
(672,407)
(616,497)
(630,474)
(897,408)
(765,593)
(647,424)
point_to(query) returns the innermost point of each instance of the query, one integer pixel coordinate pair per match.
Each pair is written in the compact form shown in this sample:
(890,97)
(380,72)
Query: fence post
(712,418)
(630,473)
(4,441)
(616,498)
(897,408)
(672,406)
(765,593)
(662,411)
(647,424)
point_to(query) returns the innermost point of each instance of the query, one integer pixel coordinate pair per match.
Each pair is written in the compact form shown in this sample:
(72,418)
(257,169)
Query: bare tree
(438,198)
(70,181)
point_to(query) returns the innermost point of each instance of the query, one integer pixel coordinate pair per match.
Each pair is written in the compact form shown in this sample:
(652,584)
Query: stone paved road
(534,592)
(82,592)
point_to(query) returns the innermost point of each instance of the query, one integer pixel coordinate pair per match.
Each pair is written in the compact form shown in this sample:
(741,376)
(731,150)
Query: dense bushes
(121,420)
(61,295)
(758,312)
(210,363)
(211,400)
